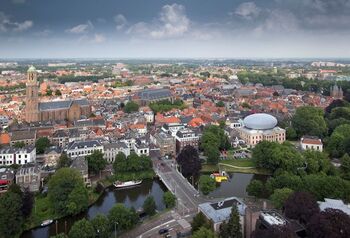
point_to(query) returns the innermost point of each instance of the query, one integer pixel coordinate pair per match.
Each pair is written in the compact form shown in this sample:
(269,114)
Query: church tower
(32,100)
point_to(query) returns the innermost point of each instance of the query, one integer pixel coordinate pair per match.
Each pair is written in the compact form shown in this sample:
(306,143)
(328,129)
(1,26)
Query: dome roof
(260,121)
(32,69)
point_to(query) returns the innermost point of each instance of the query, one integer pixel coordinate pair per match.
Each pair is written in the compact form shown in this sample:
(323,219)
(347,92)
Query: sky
(174,29)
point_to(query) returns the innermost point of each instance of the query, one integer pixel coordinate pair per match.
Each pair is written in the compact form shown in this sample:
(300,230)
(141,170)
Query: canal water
(236,185)
(131,197)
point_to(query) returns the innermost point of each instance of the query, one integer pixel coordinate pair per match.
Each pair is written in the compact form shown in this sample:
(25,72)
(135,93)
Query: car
(163,231)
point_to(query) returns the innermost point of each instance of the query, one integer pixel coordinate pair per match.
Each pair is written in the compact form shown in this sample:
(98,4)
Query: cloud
(247,10)
(99,38)
(82,28)
(174,21)
(23,26)
(278,21)
(120,21)
(7,25)
(171,23)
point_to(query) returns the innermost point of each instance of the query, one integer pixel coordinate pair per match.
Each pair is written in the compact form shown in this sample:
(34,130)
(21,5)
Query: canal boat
(219,177)
(46,222)
(119,184)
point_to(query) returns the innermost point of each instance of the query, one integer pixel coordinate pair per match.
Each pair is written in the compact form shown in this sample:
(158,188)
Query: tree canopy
(189,162)
(41,144)
(203,233)
(232,228)
(279,196)
(301,206)
(169,199)
(199,220)
(82,229)
(96,162)
(67,192)
(329,223)
(131,107)
(309,120)
(11,219)
(124,218)
(206,184)
(149,206)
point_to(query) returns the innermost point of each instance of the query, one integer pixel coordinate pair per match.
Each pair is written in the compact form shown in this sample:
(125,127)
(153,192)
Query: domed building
(261,126)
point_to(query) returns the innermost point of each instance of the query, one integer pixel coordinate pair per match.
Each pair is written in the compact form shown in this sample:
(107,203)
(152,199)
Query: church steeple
(32,100)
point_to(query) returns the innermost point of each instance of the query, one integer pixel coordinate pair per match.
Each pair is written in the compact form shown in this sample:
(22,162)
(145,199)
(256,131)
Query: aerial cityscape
(188,118)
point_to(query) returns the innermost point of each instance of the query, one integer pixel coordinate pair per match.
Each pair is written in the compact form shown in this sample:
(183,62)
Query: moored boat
(46,222)
(119,184)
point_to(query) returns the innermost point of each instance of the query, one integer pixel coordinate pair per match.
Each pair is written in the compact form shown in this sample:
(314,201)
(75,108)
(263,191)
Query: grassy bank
(235,166)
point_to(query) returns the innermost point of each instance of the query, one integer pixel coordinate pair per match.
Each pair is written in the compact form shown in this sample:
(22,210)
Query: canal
(236,185)
(131,197)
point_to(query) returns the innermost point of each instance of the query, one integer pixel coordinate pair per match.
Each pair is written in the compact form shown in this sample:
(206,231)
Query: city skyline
(174,29)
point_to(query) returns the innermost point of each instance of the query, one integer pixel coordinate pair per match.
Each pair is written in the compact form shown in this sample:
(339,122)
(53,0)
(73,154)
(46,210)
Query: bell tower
(32,100)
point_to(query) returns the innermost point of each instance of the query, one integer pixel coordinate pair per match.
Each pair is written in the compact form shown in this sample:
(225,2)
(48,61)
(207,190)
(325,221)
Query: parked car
(163,231)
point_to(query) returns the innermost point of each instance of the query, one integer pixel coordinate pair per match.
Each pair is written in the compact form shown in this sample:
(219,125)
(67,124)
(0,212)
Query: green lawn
(239,162)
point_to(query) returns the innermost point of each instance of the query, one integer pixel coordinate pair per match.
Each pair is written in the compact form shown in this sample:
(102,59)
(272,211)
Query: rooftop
(260,121)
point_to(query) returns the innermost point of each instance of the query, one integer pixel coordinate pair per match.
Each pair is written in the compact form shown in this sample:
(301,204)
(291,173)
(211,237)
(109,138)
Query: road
(178,219)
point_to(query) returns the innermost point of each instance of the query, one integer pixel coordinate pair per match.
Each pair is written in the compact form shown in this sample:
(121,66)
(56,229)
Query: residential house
(13,155)
(311,143)
(27,137)
(81,165)
(186,137)
(112,149)
(29,176)
(83,148)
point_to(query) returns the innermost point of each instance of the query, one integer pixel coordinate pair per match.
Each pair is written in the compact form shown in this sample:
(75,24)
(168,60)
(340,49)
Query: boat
(219,177)
(46,222)
(119,184)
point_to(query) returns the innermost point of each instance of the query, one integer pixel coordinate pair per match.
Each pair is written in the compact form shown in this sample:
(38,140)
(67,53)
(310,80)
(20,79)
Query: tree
(336,103)
(345,167)
(49,92)
(291,134)
(255,188)
(82,229)
(203,233)
(199,220)
(41,144)
(316,162)
(149,206)
(206,184)
(19,144)
(27,203)
(329,223)
(120,162)
(188,159)
(212,154)
(231,229)
(336,143)
(96,162)
(220,104)
(131,107)
(64,161)
(275,94)
(101,226)
(124,218)
(78,200)
(67,192)
(58,92)
(10,214)
(309,120)
(301,206)
(279,196)
(169,199)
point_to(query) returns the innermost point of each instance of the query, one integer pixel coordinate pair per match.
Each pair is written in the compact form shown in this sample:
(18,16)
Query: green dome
(32,69)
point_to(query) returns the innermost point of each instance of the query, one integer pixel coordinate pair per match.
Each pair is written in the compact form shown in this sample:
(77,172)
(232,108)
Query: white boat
(119,184)
(46,222)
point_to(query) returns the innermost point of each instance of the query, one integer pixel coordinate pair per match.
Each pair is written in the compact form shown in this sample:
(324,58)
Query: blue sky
(181,29)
